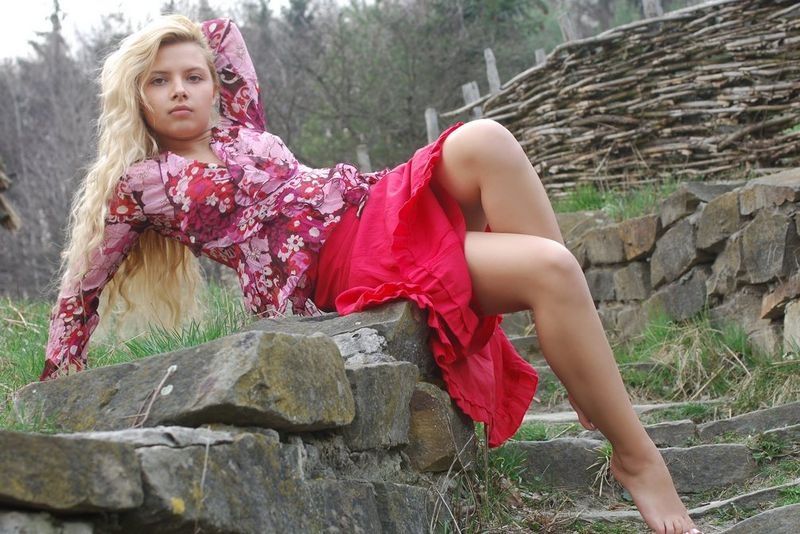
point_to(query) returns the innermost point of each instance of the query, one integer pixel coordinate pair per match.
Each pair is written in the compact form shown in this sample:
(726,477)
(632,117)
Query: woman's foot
(647,479)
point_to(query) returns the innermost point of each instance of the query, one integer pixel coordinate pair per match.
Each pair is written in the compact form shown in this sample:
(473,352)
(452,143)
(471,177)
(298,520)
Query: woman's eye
(195,77)
(155,81)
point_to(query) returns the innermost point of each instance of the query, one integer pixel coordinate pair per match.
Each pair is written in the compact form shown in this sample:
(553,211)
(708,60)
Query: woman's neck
(189,148)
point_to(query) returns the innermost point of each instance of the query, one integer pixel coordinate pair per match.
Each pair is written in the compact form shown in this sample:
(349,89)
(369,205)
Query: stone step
(535,414)
(665,434)
(781,519)
(754,499)
(752,422)
(270,379)
(572,463)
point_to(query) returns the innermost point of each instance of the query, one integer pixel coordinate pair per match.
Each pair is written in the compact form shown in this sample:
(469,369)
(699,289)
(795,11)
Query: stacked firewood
(705,92)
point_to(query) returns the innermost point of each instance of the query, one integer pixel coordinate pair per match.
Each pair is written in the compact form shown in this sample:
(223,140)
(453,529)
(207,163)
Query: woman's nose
(178,90)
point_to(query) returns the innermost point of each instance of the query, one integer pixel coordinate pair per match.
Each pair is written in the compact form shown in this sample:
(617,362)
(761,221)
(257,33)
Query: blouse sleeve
(74,316)
(239,88)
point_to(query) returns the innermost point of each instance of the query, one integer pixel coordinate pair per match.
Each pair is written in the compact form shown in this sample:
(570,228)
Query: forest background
(333,75)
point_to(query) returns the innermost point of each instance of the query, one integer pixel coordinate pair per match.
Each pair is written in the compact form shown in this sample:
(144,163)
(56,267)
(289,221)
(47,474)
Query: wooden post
(541,56)
(362,154)
(432,124)
(652,8)
(471,94)
(491,71)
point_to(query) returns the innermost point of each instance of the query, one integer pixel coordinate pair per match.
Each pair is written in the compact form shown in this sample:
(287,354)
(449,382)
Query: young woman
(464,229)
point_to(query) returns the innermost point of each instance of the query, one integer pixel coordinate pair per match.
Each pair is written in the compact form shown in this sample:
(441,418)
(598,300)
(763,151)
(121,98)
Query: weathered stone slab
(382,394)
(575,223)
(782,519)
(675,253)
(683,298)
(790,433)
(743,308)
(688,197)
(401,323)
(630,321)
(17,522)
(752,422)
(773,303)
(601,283)
(770,247)
(275,380)
(791,327)
(706,467)
(632,282)
(769,191)
(639,235)
(608,311)
(604,245)
(254,483)
(402,508)
(719,220)
(560,462)
(727,272)
(67,475)
(166,436)
(440,432)
(666,434)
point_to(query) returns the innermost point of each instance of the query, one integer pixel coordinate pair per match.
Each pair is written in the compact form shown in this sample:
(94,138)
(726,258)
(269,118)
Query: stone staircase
(736,474)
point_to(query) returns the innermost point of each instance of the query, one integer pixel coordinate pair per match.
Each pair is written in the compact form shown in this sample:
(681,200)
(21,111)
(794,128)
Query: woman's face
(181,91)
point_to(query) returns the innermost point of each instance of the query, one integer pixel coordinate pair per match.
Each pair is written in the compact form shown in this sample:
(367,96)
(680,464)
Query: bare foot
(647,479)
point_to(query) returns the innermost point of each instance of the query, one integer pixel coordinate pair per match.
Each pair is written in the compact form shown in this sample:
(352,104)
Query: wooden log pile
(704,92)
(8,217)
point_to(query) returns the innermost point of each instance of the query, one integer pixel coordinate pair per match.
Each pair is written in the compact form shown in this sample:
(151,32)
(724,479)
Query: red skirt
(409,244)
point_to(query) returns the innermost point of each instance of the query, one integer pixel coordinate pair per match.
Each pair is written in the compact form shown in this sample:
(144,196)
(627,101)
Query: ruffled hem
(483,373)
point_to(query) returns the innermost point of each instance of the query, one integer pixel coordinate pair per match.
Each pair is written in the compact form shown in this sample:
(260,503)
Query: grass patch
(25,335)
(789,496)
(618,204)
(538,431)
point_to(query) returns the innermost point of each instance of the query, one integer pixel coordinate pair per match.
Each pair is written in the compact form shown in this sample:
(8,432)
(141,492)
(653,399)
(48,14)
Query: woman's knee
(553,266)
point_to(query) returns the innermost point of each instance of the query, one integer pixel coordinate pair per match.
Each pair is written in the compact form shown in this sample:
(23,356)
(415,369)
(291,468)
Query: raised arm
(74,316)
(239,92)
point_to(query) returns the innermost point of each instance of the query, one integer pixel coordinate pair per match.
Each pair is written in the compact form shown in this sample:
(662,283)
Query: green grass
(617,204)
(25,333)
(540,431)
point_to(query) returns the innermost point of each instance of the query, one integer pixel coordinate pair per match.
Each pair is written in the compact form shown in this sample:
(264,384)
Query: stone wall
(732,248)
(323,424)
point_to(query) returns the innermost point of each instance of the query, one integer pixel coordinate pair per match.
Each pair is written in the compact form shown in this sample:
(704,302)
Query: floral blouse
(264,214)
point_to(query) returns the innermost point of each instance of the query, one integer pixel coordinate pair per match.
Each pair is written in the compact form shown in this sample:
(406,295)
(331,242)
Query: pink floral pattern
(264,214)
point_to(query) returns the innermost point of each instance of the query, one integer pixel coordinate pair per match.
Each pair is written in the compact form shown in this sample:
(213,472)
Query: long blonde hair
(160,280)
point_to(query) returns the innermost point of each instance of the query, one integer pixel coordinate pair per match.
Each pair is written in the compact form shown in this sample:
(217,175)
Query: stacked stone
(731,247)
(293,425)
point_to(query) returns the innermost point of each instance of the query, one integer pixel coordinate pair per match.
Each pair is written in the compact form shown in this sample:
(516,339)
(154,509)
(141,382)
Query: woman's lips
(181,112)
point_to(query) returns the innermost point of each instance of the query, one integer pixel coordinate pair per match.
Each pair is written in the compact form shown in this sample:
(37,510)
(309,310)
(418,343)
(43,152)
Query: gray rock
(791,327)
(13,522)
(752,422)
(402,508)
(630,321)
(770,247)
(361,341)
(688,197)
(67,475)
(639,235)
(789,434)
(574,224)
(727,272)
(601,283)
(254,483)
(666,434)
(683,298)
(165,436)
(743,308)
(781,520)
(560,462)
(719,220)
(382,394)
(774,301)
(675,253)
(401,323)
(608,312)
(769,191)
(706,467)
(603,245)
(632,282)
(528,347)
(441,434)
(276,380)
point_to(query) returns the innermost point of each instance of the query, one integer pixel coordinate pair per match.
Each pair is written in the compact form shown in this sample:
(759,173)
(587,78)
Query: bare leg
(523,264)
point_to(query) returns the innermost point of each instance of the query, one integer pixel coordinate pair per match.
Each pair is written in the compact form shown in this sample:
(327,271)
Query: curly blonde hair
(160,279)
